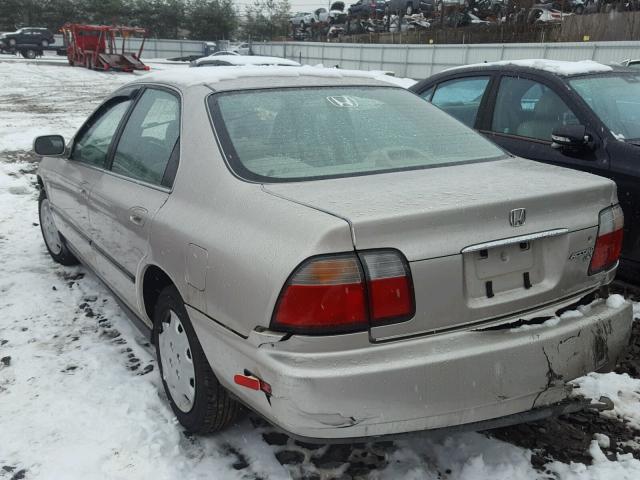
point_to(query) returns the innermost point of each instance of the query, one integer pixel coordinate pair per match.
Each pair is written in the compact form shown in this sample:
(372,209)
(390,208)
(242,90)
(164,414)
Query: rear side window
(428,93)
(150,138)
(527,108)
(461,98)
(93,142)
(305,133)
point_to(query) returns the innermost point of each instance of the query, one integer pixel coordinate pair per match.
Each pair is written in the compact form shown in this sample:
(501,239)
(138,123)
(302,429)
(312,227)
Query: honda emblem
(517,217)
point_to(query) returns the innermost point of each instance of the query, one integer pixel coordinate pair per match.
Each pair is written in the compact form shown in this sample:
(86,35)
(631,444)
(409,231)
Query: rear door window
(527,108)
(461,98)
(150,138)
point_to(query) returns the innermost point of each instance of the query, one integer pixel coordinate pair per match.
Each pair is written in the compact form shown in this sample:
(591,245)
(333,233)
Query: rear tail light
(609,242)
(389,286)
(346,293)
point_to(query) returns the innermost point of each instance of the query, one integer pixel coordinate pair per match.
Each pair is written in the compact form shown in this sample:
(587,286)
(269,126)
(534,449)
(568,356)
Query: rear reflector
(335,294)
(246,381)
(253,383)
(609,242)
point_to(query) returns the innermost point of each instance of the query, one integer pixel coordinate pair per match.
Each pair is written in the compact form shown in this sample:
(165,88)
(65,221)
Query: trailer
(102,47)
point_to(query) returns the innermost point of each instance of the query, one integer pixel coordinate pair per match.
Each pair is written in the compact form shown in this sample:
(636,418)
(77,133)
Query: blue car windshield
(308,133)
(615,99)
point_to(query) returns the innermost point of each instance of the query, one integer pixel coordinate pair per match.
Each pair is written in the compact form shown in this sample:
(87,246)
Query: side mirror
(49,145)
(570,136)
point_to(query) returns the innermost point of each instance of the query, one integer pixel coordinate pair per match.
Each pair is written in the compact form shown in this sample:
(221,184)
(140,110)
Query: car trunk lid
(491,238)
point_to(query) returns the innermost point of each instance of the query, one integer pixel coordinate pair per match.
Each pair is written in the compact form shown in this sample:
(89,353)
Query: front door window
(530,109)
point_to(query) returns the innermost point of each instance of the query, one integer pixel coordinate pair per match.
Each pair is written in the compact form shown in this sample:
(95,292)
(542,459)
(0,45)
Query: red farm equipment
(96,47)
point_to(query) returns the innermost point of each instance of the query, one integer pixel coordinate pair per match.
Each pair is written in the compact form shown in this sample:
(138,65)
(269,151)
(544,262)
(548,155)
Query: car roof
(236,59)
(252,77)
(551,68)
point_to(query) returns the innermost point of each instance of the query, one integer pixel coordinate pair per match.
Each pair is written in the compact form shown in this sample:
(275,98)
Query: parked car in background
(222,53)
(576,6)
(337,13)
(409,7)
(301,19)
(341,279)
(242,48)
(368,8)
(635,64)
(320,15)
(27,36)
(545,14)
(218,59)
(580,115)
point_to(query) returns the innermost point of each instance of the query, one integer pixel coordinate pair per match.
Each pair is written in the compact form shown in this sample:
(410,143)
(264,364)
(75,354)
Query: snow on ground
(79,393)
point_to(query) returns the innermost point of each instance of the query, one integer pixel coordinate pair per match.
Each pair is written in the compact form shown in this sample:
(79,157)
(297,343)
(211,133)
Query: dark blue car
(580,115)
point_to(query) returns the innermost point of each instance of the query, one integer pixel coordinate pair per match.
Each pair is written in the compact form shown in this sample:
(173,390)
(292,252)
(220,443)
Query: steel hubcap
(177,363)
(49,229)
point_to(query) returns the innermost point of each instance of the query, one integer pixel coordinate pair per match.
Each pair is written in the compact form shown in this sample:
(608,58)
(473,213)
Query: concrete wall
(420,61)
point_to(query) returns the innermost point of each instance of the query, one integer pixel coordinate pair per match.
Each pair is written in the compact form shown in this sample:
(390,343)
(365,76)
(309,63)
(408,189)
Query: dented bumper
(343,386)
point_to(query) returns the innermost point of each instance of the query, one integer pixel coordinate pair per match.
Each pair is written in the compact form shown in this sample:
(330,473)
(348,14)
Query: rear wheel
(30,54)
(45,43)
(54,242)
(196,397)
(12,42)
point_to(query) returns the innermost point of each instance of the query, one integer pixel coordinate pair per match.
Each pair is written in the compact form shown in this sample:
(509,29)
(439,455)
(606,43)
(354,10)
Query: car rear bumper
(344,387)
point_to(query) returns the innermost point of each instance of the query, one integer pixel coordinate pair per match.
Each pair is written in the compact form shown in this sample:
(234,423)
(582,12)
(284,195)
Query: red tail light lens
(390,286)
(326,293)
(609,242)
(334,294)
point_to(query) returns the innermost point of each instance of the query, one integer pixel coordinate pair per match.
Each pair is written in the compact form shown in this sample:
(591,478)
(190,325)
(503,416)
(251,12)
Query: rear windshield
(309,133)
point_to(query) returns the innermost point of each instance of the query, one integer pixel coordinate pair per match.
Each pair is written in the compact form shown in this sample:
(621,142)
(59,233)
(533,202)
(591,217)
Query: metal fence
(157,47)
(420,61)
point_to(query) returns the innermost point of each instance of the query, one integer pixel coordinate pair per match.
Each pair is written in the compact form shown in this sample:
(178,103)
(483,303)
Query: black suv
(26,36)
(580,115)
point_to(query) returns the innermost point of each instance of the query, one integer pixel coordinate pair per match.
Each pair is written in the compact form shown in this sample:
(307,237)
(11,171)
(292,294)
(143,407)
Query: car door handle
(137,215)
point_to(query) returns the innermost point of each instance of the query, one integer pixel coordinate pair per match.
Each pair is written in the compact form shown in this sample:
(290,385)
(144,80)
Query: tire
(53,240)
(207,406)
(30,54)
(44,43)
(12,42)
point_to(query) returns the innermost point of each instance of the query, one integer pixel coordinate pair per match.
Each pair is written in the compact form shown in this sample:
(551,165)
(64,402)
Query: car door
(69,183)
(21,36)
(124,200)
(523,112)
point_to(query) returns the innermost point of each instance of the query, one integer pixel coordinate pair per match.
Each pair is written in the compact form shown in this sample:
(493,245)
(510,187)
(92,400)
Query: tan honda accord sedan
(335,253)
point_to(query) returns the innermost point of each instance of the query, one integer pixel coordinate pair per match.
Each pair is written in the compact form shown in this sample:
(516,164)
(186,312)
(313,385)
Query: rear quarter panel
(251,240)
